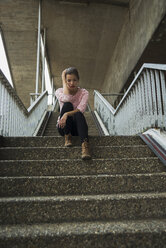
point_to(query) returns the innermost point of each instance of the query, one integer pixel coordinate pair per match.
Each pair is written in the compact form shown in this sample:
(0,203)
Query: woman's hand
(63,77)
(65,89)
(62,122)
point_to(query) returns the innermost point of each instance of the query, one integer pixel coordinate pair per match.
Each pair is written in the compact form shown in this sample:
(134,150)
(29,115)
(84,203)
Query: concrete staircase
(51,129)
(51,198)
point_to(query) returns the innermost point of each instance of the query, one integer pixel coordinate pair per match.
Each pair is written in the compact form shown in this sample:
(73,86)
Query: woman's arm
(70,113)
(65,89)
(62,121)
(61,96)
(84,100)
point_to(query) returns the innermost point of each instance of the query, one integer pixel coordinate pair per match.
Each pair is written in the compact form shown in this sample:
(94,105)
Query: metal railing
(15,119)
(113,98)
(142,107)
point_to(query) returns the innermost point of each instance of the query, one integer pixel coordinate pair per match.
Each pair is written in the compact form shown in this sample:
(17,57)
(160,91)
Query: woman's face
(72,82)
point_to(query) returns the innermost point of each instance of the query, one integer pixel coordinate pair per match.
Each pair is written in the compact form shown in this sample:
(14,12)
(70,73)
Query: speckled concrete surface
(43,184)
(82,208)
(1,141)
(61,167)
(131,234)
(75,185)
(59,141)
(74,152)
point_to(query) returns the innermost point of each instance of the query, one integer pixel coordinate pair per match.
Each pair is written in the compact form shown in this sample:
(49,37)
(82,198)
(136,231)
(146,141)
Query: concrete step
(137,234)
(51,133)
(33,210)
(53,129)
(53,125)
(59,141)
(88,120)
(33,153)
(54,132)
(61,167)
(81,185)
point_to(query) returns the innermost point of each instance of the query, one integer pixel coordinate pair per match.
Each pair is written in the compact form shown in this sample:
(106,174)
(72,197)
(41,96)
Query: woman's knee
(79,115)
(68,106)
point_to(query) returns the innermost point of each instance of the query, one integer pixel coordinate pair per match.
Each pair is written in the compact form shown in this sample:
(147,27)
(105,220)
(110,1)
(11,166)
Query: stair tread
(58,140)
(86,198)
(17,210)
(81,184)
(78,159)
(79,167)
(86,176)
(83,228)
(55,152)
(73,147)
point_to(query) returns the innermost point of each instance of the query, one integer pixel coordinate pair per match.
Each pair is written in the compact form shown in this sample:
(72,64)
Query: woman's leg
(69,122)
(82,129)
(67,130)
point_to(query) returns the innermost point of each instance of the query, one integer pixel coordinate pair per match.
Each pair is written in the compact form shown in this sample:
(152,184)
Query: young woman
(73,101)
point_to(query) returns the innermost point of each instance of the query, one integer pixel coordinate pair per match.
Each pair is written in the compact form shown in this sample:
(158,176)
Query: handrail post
(163,92)
(52,90)
(43,59)
(38,50)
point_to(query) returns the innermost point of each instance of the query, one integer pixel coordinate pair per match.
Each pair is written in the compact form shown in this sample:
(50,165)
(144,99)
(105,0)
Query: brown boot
(68,140)
(85,151)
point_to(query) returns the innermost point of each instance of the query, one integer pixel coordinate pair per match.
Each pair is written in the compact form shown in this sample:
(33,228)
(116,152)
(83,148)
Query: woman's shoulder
(83,91)
(59,91)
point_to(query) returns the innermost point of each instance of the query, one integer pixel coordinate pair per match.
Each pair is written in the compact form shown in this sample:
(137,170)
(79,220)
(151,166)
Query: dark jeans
(75,125)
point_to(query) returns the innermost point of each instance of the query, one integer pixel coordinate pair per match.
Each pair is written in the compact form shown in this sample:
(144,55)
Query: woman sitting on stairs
(73,101)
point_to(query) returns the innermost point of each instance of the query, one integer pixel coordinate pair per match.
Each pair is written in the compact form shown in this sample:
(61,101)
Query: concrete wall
(141,21)
(19,22)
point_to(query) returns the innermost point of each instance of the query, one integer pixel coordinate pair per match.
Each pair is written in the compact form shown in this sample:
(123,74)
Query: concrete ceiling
(82,35)
(78,33)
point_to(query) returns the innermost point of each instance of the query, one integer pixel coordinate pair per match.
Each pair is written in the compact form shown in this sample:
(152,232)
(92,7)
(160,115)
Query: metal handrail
(142,106)
(113,98)
(107,104)
(112,94)
(145,66)
(101,133)
(55,104)
(46,122)
(16,120)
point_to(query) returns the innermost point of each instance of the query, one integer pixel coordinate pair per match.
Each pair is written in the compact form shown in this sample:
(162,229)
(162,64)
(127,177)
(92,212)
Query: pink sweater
(79,100)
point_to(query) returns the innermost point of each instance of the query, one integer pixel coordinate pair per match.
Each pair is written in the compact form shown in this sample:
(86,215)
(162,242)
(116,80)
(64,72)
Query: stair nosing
(79,159)
(63,147)
(81,228)
(87,176)
(97,197)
